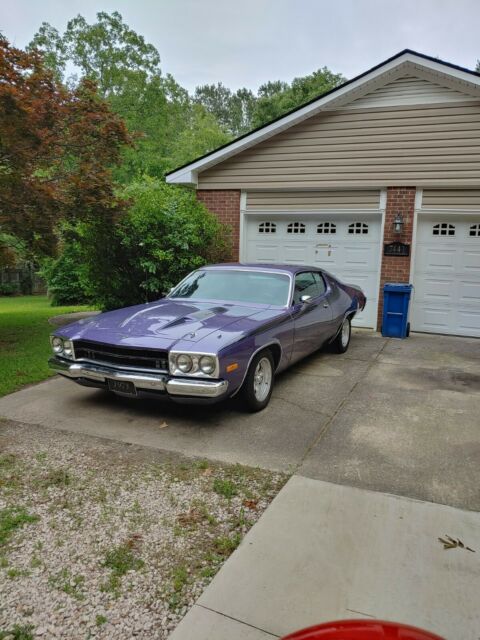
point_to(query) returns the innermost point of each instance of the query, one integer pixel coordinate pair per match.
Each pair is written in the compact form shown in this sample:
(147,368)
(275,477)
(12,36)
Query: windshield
(228,285)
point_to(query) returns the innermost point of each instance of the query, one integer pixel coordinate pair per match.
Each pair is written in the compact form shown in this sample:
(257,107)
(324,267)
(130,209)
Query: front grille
(132,357)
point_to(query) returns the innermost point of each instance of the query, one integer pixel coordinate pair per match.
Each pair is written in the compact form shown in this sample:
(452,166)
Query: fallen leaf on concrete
(164,425)
(250,504)
(452,543)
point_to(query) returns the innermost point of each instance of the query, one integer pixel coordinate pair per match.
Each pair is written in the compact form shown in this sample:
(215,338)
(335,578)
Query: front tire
(342,341)
(258,386)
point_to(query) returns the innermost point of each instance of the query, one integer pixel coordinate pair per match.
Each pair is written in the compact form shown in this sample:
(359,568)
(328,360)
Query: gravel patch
(101,539)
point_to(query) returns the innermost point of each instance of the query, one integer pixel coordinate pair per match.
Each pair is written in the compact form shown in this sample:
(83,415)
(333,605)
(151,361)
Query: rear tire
(258,385)
(342,341)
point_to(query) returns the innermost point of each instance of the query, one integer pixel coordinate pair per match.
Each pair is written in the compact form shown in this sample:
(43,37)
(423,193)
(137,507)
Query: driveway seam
(326,426)
(252,626)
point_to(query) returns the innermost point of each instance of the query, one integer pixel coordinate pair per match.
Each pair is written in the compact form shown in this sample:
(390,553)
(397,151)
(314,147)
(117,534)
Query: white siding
(406,91)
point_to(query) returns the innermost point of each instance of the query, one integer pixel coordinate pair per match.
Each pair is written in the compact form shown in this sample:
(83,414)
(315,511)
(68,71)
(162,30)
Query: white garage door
(447,275)
(346,247)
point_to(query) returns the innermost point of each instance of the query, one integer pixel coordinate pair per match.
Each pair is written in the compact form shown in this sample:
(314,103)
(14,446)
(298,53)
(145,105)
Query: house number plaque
(399,249)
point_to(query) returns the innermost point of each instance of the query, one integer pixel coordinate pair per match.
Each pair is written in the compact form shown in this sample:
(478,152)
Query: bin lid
(398,287)
(362,630)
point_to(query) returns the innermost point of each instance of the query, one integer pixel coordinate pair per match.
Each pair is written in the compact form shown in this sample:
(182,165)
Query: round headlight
(184,363)
(67,348)
(207,364)
(57,345)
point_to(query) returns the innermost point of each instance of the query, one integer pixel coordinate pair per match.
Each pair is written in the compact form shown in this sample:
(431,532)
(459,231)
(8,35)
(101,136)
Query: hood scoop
(196,316)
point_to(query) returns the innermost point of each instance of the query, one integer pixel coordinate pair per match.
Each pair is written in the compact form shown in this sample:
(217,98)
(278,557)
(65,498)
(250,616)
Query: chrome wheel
(345,335)
(262,379)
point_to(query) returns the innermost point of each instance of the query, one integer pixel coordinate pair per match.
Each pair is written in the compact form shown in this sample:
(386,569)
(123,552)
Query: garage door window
(475,230)
(267,227)
(296,227)
(326,227)
(443,229)
(358,227)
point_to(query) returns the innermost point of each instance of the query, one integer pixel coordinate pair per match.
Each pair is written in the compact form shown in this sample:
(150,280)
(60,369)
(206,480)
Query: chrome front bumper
(143,381)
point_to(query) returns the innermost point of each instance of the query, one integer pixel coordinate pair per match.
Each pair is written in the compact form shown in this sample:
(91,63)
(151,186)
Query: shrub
(64,273)
(9,289)
(163,235)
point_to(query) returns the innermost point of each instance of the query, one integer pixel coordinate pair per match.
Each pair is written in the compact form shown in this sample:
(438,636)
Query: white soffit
(406,64)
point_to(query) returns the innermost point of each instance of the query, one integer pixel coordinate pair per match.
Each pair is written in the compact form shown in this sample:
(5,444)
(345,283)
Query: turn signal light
(232,367)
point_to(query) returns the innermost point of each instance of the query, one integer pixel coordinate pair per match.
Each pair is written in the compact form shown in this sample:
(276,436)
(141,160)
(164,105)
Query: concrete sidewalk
(324,552)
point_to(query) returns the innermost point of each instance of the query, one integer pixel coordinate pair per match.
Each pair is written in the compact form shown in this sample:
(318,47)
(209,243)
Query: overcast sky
(246,42)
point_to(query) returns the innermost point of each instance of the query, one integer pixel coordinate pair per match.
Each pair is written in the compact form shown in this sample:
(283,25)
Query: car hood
(164,323)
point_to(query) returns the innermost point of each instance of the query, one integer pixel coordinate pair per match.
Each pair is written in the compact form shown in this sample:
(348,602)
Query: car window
(229,285)
(305,285)
(320,283)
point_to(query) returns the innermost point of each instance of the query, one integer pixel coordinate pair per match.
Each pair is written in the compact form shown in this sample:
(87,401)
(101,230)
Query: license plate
(122,386)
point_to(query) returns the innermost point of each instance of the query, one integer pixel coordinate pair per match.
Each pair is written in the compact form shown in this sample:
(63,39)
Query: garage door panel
(266,252)
(469,322)
(435,289)
(469,292)
(447,276)
(360,257)
(470,260)
(433,258)
(435,319)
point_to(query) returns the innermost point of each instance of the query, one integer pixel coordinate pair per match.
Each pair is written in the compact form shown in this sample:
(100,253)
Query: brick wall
(400,200)
(226,206)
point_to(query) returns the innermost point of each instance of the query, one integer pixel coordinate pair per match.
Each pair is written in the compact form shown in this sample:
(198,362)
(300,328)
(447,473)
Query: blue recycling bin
(396,299)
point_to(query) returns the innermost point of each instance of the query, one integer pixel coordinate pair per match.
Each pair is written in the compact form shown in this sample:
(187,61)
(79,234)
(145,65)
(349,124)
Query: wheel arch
(274,347)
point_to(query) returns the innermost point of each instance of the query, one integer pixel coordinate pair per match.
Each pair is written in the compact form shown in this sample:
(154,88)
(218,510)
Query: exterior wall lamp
(398,223)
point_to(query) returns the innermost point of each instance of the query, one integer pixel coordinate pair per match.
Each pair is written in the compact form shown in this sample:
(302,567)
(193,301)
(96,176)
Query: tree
(165,234)
(107,51)
(201,135)
(157,111)
(233,111)
(277,98)
(56,149)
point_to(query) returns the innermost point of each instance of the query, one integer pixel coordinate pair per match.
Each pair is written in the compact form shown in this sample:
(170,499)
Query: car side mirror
(306,299)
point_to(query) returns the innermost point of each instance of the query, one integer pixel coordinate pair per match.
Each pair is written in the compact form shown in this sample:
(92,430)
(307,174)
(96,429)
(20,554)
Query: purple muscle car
(225,329)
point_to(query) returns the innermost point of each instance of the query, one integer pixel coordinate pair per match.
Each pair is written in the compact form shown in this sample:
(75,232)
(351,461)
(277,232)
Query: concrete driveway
(395,416)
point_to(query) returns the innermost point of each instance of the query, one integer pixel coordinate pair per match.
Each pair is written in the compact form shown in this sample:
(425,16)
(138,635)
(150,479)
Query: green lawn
(24,343)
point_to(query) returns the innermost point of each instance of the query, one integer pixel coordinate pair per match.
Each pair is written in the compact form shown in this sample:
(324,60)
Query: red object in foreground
(362,630)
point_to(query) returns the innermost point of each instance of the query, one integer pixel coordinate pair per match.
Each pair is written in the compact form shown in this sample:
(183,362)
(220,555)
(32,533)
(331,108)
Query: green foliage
(11,519)
(9,289)
(122,559)
(18,632)
(70,584)
(200,136)
(63,274)
(225,545)
(225,488)
(233,111)
(165,234)
(169,128)
(277,98)
(24,344)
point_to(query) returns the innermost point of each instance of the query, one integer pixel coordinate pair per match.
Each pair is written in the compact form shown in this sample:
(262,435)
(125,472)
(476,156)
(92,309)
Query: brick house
(377,180)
